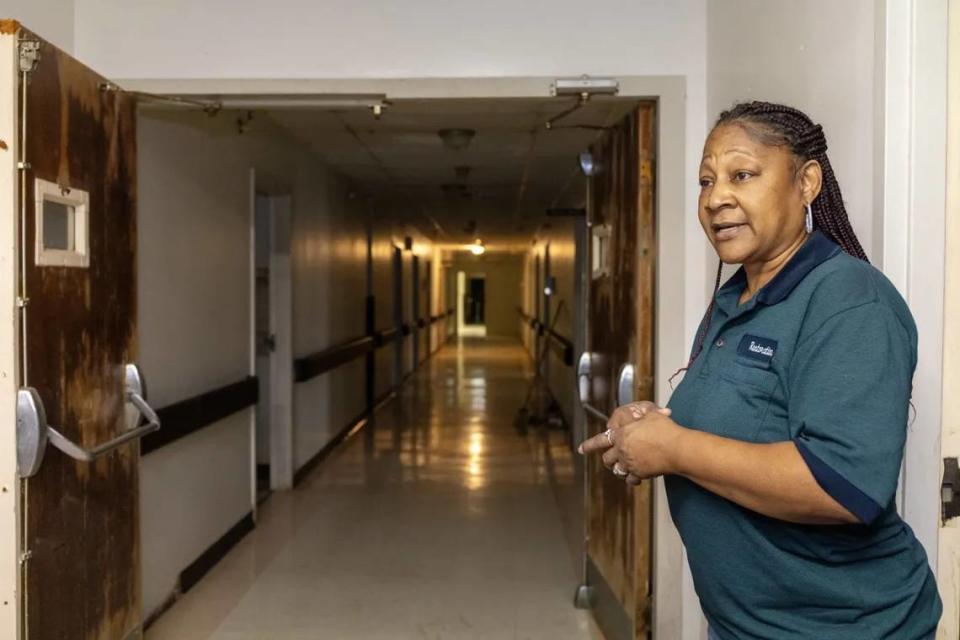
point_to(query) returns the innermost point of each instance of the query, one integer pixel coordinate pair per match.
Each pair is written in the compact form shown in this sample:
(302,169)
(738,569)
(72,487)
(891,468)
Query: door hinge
(950,489)
(29,55)
(25,557)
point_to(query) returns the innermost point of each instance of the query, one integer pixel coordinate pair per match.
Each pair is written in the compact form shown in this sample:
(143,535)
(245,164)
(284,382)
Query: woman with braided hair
(781,447)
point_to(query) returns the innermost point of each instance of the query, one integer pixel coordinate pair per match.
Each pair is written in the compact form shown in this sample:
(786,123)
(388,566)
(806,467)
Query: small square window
(600,251)
(62,230)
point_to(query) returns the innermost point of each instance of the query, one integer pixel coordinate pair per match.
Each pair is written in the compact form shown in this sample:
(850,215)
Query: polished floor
(436,521)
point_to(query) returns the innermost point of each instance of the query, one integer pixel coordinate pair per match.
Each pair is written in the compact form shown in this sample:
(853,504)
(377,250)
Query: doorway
(471,297)
(273,340)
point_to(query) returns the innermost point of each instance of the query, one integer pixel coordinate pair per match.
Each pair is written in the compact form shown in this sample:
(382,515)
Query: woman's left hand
(643,449)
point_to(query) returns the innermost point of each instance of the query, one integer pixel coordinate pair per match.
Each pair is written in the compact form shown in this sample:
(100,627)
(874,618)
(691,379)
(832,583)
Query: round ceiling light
(587,164)
(477,248)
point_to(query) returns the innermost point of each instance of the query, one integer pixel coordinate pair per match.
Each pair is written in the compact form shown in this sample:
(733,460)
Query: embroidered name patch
(757,348)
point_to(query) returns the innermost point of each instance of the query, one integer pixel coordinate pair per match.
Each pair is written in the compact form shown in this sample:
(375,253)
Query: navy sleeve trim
(840,489)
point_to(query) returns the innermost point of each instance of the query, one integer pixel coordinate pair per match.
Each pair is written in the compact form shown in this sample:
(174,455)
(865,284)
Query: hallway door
(620,334)
(80,520)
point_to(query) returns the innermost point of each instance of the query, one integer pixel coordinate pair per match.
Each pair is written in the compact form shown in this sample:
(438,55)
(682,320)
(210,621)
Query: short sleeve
(850,384)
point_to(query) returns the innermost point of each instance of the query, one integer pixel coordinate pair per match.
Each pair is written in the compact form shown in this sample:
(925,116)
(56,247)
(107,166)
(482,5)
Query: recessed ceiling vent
(456,138)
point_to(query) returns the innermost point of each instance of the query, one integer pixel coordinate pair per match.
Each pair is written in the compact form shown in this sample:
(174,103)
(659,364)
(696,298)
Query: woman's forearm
(771,479)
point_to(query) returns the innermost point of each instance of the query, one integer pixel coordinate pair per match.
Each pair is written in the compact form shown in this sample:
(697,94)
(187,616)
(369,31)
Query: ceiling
(517,167)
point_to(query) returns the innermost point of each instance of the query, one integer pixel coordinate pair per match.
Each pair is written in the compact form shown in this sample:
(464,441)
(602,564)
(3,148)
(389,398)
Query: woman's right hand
(632,412)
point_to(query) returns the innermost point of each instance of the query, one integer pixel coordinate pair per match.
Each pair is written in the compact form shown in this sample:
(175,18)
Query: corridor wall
(194,300)
(561,377)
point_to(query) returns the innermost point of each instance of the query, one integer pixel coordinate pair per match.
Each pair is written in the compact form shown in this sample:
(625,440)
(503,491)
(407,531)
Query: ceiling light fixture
(456,138)
(587,164)
(477,248)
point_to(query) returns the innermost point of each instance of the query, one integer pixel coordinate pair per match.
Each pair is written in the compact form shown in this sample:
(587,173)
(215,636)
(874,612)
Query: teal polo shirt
(822,356)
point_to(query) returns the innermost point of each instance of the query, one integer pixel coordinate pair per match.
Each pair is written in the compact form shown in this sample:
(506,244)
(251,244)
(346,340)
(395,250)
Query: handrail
(561,345)
(386,335)
(313,365)
(189,415)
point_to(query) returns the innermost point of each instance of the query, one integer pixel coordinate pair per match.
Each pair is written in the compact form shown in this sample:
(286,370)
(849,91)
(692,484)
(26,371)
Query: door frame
(682,264)
(281,324)
(9,330)
(948,563)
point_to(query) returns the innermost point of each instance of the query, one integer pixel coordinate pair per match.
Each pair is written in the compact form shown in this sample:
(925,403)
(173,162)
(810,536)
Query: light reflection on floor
(437,521)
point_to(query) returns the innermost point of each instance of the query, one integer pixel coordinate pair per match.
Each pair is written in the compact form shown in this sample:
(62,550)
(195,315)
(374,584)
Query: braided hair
(778,125)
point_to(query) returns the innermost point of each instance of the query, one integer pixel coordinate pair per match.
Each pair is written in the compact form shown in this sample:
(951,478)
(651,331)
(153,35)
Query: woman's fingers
(633,480)
(599,442)
(610,457)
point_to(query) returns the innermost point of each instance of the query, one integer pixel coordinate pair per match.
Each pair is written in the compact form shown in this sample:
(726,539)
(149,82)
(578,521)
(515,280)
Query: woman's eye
(740,176)
(705,182)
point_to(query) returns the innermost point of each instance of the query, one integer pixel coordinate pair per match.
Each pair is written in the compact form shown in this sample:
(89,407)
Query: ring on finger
(619,471)
(609,434)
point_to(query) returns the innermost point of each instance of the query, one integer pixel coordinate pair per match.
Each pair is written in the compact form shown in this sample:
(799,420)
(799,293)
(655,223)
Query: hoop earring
(809,219)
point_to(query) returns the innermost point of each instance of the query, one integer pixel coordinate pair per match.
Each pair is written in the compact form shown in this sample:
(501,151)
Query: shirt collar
(817,249)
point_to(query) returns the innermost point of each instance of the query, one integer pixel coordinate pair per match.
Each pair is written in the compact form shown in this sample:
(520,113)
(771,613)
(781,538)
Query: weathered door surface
(620,331)
(80,520)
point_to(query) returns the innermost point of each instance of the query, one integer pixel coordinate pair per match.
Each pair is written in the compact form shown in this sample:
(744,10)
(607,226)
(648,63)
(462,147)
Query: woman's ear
(811,179)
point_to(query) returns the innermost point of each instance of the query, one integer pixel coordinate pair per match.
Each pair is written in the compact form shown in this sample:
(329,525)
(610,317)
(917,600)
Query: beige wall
(52,20)
(559,237)
(502,273)
(194,309)
(818,56)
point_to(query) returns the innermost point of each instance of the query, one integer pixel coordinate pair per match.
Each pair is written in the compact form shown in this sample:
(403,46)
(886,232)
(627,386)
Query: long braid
(783,126)
(704,327)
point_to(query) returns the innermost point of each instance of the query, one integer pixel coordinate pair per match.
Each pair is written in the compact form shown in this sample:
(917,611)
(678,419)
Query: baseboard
(200,567)
(195,571)
(162,609)
(351,427)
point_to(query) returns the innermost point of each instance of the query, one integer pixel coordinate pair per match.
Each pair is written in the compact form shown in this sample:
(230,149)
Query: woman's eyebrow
(739,150)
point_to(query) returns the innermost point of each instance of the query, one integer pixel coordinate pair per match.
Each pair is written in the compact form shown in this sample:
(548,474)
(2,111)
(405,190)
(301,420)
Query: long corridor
(437,520)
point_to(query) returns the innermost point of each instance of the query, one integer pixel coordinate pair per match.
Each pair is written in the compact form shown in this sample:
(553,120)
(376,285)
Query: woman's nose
(719,198)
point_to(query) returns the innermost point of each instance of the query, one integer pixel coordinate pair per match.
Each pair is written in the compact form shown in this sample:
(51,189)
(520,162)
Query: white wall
(52,20)
(424,39)
(818,56)
(417,38)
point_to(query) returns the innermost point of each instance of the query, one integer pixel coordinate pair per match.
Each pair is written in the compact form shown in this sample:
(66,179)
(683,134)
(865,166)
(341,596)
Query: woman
(782,445)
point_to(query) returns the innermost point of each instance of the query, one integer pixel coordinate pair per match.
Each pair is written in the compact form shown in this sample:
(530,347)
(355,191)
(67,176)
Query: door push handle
(626,385)
(33,432)
(584,379)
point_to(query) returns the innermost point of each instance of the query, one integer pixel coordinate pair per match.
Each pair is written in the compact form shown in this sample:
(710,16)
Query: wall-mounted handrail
(192,414)
(313,365)
(561,345)
(386,335)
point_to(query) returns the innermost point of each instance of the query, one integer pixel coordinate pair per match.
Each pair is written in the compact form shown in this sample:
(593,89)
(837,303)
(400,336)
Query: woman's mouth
(727,230)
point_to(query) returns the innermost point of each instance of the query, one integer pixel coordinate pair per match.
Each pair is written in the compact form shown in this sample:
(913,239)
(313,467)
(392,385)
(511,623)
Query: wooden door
(80,520)
(620,331)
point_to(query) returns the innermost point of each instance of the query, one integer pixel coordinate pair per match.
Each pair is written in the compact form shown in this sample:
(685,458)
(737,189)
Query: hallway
(437,520)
